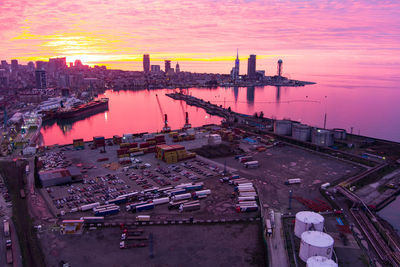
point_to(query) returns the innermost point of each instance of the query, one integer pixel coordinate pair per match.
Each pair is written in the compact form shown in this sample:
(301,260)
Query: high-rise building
(41,79)
(56,64)
(4,64)
(14,65)
(155,68)
(40,65)
(167,66)
(251,67)
(237,64)
(177,68)
(146,63)
(31,66)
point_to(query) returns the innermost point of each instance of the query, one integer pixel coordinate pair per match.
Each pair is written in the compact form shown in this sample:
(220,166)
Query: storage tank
(320,261)
(308,220)
(339,134)
(283,127)
(322,137)
(301,132)
(314,243)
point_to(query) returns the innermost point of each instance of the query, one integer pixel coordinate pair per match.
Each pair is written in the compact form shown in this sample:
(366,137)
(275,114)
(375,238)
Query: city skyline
(364,33)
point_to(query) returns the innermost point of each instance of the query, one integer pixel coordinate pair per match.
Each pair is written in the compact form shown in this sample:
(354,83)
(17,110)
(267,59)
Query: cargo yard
(282,191)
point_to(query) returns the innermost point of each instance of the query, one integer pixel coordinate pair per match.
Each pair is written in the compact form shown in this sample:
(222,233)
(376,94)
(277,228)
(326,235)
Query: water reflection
(250,95)
(236,93)
(278,94)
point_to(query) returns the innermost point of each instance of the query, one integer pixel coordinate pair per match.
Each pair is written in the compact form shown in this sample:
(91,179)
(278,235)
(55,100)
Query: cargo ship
(83,109)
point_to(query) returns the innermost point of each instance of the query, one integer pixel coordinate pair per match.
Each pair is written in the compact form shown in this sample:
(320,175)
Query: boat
(83,109)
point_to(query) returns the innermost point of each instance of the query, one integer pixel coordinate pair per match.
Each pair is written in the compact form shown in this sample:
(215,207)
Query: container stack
(172,153)
(78,144)
(183,137)
(99,141)
(117,139)
(247,195)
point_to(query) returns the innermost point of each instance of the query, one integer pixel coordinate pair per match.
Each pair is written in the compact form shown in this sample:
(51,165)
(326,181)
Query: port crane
(166,128)
(186,115)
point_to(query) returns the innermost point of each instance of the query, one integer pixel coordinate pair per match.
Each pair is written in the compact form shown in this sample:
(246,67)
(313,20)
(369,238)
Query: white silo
(320,261)
(339,134)
(314,243)
(306,221)
(283,127)
(322,137)
(301,132)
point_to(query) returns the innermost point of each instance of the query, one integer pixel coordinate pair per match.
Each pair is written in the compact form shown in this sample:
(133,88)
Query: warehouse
(60,176)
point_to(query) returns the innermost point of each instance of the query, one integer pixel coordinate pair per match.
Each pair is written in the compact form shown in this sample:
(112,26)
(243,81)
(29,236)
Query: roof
(52,174)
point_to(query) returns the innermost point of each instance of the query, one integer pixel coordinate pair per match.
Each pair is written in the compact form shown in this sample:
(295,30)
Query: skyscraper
(155,68)
(41,80)
(177,68)
(237,63)
(146,63)
(167,66)
(251,67)
(14,65)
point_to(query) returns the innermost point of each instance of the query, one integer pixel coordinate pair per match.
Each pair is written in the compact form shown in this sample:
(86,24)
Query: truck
(9,255)
(293,181)
(106,211)
(117,201)
(246,198)
(132,206)
(126,236)
(143,218)
(175,192)
(189,207)
(99,219)
(239,181)
(6,227)
(268,227)
(181,197)
(159,201)
(176,204)
(89,206)
(124,245)
(325,186)
(148,206)
(198,186)
(245,159)
(201,193)
(246,203)
(251,164)
(247,208)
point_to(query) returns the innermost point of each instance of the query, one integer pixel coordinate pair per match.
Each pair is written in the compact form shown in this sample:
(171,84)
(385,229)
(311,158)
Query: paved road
(276,244)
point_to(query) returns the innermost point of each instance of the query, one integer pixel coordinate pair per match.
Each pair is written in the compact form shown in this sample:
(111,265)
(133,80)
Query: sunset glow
(196,33)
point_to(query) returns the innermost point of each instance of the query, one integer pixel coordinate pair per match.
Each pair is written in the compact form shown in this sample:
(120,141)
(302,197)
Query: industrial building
(60,176)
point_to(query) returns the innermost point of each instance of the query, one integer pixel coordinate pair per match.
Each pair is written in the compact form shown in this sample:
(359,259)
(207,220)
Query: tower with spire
(177,68)
(237,63)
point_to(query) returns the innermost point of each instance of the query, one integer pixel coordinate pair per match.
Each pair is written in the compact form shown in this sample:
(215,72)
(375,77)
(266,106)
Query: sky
(321,36)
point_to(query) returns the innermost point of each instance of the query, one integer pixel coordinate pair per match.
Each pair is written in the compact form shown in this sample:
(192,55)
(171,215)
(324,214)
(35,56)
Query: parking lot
(238,244)
(106,180)
(280,163)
